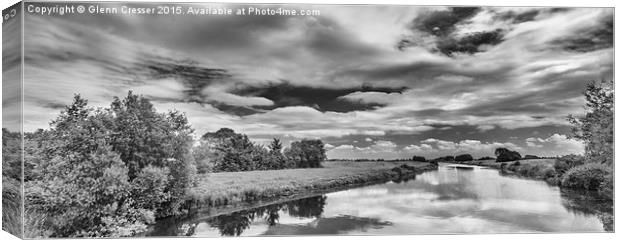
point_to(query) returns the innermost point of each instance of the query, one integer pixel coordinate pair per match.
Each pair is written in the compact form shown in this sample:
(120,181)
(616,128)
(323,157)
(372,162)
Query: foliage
(463,157)
(445,159)
(566,162)
(596,127)
(306,153)
(109,172)
(418,159)
(11,205)
(203,155)
(234,153)
(506,155)
(11,157)
(587,176)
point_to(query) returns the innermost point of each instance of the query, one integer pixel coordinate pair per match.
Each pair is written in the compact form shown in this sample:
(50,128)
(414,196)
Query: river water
(452,199)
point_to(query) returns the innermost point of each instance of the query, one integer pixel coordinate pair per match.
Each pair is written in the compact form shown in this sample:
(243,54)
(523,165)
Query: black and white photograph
(168,119)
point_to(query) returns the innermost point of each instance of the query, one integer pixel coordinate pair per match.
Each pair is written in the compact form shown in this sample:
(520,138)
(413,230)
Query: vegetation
(596,127)
(444,159)
(463,158)
(230,188)
(227,151)
(588,176)
(11,183)
(596,130)
(306,153)
(506,155)
(108,172)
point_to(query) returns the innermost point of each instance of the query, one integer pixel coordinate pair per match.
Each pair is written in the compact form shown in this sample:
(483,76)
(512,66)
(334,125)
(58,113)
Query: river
(452,199)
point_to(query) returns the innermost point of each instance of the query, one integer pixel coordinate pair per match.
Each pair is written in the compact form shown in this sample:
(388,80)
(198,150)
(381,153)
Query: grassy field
(230,188)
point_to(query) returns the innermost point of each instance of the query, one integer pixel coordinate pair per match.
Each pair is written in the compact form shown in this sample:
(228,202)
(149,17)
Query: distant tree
(463,158)
(531,157)
(418,159)
(596,127)
(444,159)
(505,155)
(277,159)
(307,153)
(235,153)
(221,134)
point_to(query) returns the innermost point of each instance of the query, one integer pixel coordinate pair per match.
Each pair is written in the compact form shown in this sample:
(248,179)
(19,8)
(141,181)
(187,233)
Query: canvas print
(160,119)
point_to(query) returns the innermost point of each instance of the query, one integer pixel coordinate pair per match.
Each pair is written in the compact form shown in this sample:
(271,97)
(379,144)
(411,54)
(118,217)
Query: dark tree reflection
(236,223)
(589,202)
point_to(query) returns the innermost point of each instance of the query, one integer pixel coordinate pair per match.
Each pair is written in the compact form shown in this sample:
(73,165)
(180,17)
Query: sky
(370,81)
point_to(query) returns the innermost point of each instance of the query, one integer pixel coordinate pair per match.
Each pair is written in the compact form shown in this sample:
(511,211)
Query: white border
(572,3)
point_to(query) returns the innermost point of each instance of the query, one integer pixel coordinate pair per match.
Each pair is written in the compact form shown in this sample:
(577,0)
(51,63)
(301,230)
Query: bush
(463,158)
(11,206)
(588,176)
(606,188)
(562,164)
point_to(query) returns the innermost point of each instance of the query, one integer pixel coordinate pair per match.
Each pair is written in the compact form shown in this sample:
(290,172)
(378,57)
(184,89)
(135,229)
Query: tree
(143,137)
(234,152)
(463,157)
(506,155)
(596,127)
(109,172)
(307,153)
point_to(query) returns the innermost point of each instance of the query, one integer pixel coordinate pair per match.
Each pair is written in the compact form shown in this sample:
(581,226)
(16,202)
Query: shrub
(463,157)
(588,176)
(11,206)
(149,187)
(562,164)
(606,188)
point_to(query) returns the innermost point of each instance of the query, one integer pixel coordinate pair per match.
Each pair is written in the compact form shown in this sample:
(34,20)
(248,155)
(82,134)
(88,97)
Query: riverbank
(540,169)
(544,169)
(226,189)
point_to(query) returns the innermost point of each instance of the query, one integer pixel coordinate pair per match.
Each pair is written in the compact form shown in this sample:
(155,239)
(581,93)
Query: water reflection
(453,199)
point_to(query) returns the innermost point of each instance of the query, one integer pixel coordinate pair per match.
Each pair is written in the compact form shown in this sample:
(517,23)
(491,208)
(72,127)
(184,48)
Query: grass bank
(238,188)
(541,169)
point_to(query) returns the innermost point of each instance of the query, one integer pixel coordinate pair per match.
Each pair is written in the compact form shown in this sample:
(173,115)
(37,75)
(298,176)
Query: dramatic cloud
(459,79)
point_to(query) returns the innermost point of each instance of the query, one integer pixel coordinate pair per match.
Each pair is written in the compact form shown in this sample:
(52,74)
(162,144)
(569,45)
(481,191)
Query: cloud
(503,72)
(444,33)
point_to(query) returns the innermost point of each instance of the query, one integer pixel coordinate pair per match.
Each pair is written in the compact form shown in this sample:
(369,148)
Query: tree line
(227,151)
